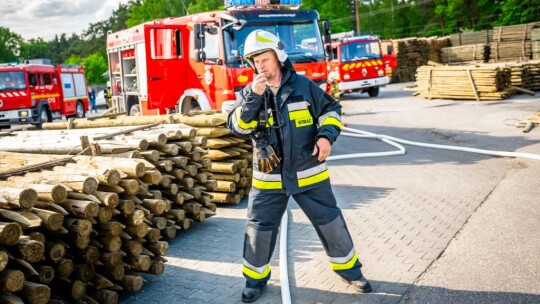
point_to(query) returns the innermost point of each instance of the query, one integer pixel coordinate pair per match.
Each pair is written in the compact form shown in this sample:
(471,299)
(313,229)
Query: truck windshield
(302,41)
(361,50)
(12,81)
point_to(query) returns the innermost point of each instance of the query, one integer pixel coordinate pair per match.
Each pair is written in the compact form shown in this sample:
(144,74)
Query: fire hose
(395,142)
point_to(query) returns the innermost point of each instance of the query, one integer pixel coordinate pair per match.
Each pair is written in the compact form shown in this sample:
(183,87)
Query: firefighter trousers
(265,209)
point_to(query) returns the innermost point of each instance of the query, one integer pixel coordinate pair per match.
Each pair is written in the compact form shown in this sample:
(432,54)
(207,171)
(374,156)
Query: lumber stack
(464,82)
(414,52)
(535,38)
(471,38)
(110,216)
(510,51)
(466,53)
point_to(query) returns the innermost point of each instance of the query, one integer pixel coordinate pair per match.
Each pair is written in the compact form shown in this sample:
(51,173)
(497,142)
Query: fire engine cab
(195,62)
(359,66)
(38,93)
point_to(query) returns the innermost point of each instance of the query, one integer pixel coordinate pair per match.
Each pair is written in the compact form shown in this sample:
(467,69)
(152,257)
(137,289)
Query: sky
(46,18)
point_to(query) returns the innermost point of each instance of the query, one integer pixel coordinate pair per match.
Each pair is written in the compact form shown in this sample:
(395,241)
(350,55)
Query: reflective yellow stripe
(379,62)
(299,114)
(266,185)
(255,275)
(344,266)
(45,96)
(313,179)
(368,64)
(241,123)
(270,121)
(332,121)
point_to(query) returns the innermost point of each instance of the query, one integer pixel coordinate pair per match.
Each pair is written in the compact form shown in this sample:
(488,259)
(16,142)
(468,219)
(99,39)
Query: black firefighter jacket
(306,113)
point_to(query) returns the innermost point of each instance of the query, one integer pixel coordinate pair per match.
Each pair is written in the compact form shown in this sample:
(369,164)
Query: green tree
(518,11)
(10,45)
(94,66)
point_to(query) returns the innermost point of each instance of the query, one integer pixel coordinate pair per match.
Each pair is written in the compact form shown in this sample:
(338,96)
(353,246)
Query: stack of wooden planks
(83,228)
(466,53)
(535,38)
(464,82)
(412,53)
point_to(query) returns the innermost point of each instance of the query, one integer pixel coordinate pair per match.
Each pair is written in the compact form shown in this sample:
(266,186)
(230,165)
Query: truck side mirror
(389,50)
(198,41)
(327,32)
(328,50)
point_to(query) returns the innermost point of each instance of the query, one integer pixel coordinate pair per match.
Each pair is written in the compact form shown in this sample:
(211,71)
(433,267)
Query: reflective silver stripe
(310,172)
(344,259)
(257,269)
(329,114)
(237,128)
(266,177)
(298,106)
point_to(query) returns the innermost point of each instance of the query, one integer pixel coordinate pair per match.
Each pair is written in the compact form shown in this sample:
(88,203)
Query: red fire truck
(38,93)
(359,65)
(195,62)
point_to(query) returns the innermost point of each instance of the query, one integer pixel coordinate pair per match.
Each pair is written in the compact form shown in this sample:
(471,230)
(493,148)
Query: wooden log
(223,167)
(45,192)
(81,227)
(24,218)
(8,298)
(50,220)
(11,280)
(9,234)
(86,209)
(130,186)
(155,206)
(132,282)
(137,230)
(23,198)
(159,247)
(64,267)
(152,177)
(220,197)
(85,272)
(35,293)
(152,234)
(127,207)
(225,186)
(169,232)
(111,259)
(30,250)
(45,274)
(3,259)
(111,243)
(211,184)
(139,262)
(213,132)
(73,289)
(105,296)
(213,120)
(156,267)
(105,214)
(54,251)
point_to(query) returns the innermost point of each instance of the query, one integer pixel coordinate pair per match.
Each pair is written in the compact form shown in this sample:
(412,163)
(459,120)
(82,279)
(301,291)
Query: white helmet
(259,41)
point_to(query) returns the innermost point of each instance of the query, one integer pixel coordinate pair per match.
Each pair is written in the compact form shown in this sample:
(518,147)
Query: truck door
(167,65)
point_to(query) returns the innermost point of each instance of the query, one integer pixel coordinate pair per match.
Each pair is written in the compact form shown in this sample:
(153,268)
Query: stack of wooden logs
(502,44)
(535,38)
(466,53)
(464,82)
(412,53)
(82,228)
(531,122)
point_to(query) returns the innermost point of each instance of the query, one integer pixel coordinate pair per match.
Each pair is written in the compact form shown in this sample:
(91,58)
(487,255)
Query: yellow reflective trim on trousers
(345,266)
(241,123)
(255,275)
(266,185)
(313,179)
(270,121)
(332,121)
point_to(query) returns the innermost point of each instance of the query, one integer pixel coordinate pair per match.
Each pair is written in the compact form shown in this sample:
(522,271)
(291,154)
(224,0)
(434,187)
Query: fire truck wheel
(79,110)
(135,110)
(373,92)
(43,117)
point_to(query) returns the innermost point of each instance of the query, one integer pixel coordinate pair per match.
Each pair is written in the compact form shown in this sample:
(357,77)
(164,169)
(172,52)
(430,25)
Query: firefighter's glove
(267,159)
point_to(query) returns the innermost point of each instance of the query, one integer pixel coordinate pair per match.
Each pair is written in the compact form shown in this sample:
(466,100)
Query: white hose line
(393,141)
(283,271)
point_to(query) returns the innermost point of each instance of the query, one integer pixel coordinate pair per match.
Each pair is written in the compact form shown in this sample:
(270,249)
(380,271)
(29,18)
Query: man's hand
(259,84)
(324,148)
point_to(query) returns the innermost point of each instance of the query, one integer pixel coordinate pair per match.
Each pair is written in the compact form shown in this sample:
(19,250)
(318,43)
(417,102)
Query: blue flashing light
(262,2)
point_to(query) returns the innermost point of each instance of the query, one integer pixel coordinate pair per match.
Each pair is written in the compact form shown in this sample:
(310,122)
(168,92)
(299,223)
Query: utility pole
(357,17)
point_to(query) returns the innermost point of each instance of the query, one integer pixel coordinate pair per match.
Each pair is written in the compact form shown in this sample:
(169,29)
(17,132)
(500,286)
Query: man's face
(267,64)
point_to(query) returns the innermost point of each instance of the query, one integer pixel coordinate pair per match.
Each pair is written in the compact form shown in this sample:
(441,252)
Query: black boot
(251,294)
(361,285)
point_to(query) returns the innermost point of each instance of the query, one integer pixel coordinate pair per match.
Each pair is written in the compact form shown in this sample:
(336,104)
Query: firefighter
(293,124)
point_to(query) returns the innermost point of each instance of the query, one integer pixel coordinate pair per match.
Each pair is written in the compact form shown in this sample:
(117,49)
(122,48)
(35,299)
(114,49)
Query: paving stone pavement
(402,211)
